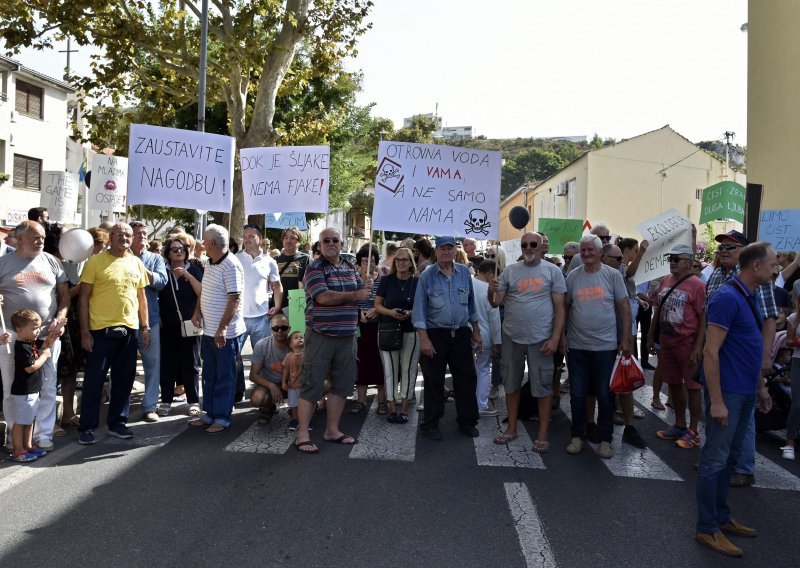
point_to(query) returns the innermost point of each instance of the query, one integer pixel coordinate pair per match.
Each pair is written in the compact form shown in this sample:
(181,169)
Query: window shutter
(19,171)
(21,100)
(34,167)
(35,102)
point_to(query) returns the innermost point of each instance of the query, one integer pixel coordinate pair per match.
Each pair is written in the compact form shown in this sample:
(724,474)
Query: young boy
(292,364)
(29,356)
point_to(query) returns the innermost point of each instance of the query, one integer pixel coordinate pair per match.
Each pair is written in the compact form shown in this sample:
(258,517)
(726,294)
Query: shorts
(25,406)
(292,397)
(328,355)
(259,388)
(512,367)
(676,368)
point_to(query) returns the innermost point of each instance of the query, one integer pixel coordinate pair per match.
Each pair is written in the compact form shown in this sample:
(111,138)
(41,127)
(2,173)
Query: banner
(723,200)
(285,220)
(663,232)
(60,196)
(108,189)
(439,190)
(180,168)
(560,231)
(781,227)
(285,178)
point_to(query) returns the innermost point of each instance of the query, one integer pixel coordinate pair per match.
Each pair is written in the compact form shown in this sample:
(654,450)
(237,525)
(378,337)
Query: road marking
(382,440)
(532,539)
(272,438)
(514,454)
(769,475)
(629,461)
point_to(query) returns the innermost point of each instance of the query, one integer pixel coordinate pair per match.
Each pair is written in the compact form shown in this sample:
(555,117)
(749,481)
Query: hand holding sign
(662,232)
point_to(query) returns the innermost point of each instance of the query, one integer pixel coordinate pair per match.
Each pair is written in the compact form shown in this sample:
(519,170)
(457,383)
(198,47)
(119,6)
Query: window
(29,100)
(571,198)
(27,172)
(698,194)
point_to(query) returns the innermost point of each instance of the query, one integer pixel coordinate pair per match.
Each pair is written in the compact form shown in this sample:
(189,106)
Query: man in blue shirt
(732,376)
(444,310)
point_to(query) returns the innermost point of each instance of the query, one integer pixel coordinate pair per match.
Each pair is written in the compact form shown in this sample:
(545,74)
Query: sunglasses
(279,328)
(490,255)
(728,246)
(605,239)
(533,245)
(329,240)
(568,257)
(175,249)
(676,259)
(402,260)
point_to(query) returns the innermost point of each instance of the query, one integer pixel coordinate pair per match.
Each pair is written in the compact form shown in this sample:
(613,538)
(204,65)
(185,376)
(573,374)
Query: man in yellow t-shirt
(111,303)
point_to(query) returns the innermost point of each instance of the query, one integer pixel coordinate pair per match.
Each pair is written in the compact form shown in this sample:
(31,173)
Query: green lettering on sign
(560,231)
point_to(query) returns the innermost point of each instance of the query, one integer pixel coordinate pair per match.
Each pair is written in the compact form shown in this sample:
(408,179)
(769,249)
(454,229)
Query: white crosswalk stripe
(272,438)
(514,454)
(532,538)
(382,440)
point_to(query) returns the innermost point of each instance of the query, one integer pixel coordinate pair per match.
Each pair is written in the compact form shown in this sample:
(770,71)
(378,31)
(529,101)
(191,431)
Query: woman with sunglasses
(180,356)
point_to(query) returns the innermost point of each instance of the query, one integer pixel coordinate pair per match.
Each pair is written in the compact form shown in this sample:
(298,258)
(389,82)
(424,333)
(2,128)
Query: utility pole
(68,51)
(728,137)
(200,218)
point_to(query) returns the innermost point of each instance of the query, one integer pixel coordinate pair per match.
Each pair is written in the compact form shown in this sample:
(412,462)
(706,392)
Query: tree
(535,164)
(420,130)
(151,50)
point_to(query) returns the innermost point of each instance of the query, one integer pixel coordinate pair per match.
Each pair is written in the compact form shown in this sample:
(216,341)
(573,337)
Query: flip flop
(658,405)
(216,429)
(357,407)
(299,445)
(503,439)
(541,447)
(199,423)
(341,440)
(59,432)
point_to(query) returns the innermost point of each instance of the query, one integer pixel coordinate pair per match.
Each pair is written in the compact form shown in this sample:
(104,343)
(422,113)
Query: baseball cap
(735,236)
(441,241)
(682,250)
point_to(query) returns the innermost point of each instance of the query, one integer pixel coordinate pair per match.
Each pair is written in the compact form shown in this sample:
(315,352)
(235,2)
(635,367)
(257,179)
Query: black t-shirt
(789,284)
(292,269)
(476,261)
(24,356)
(184,292)
(782,298)
(398,293)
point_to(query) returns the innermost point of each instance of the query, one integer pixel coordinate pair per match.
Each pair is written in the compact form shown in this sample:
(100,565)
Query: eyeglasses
(532,245)
(279,328)
(605,239)
(728,246)
(568,257)
(329,240)
(490,255)
(175,249)
(676,259)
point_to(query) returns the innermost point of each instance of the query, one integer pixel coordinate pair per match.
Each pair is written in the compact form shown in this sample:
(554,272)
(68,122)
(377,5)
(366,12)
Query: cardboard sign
(781,227)
(109,183)
(560,231)
(439,190)
(180,168)
(285,220)
(297,310)
(663,232)
(723,200)
(285,178)
(60,196)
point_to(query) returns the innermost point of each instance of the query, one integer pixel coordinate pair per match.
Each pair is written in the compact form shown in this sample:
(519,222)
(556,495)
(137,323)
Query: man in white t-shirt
(260,275)
(219,315)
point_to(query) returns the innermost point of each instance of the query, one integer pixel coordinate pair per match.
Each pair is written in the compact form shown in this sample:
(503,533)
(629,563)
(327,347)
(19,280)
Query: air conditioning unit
(561,188)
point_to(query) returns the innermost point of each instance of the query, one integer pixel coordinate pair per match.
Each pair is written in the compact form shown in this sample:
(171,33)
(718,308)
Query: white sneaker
(420,407)
(575,446)
(788,452)
(605,451)
(48,445)
(488,412)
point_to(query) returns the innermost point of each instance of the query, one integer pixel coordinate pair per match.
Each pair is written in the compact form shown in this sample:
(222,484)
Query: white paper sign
(180,168)
(285,178)
(109,183)
(663,232)
(439,190)
(512,249)
(60,196)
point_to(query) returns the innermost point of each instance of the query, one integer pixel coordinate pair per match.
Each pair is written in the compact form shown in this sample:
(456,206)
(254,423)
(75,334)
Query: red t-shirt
(680,314)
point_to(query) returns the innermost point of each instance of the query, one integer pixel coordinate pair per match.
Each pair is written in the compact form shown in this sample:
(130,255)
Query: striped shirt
(221,280)
(766,296)
(322,276)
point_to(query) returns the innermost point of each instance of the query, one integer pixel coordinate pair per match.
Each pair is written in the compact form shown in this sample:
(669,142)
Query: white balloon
(76,245)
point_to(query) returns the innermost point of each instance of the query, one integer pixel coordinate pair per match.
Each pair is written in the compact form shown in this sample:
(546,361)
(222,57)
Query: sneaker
(493,393)
(788,452)
(150,417)
(23,457)
(121,431)
(86,438)
(592,433)
(605,451)
(674,433)
(46,445)
(575,446)
(431,433)
(470,431)
(420,407)
(631,436)
(489,412)
(742,479)
(293,424)
(164,408)
(37,451)
(689,440)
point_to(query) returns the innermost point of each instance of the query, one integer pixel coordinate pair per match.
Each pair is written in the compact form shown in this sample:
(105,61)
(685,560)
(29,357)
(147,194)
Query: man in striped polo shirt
(333,289)
(219,314)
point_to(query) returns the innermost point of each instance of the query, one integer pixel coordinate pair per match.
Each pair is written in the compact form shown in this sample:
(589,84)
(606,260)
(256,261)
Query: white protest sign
(781,228)
(285,178)
(512,249)
(108,189)
(439,190)
(285,220)
(180,168)
(663,232)
(60,196)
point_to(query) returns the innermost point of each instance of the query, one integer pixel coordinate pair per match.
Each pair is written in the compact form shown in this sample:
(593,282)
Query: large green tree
(151,49)
(534,164)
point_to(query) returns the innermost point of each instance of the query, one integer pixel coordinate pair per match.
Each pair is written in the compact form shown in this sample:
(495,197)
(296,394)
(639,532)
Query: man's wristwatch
(145,328)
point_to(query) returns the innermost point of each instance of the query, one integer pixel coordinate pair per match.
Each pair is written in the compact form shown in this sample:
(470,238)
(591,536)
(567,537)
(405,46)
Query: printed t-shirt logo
(529,285)
(591,293)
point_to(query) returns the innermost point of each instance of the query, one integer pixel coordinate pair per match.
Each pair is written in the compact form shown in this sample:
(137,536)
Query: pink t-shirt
(680,314)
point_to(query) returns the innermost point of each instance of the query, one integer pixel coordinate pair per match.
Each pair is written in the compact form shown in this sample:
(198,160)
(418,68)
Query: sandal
(163,409)
(199,423)
(505,438)
(216,428)
(392,418)
(383,409)
(657,404)
(541,447)
(73,422)
(194,410)
(357,407)
(402,418)
(59,432)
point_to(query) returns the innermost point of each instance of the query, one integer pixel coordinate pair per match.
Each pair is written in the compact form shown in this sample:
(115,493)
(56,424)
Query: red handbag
(627,375)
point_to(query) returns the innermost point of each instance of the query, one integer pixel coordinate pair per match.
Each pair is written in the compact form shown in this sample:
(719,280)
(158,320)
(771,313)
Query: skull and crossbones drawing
(477,222)
(388,172)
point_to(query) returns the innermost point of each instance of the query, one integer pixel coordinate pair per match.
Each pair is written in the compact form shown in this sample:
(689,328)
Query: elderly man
(333,289)
(596,300)
(292,264)
(219,315)
(7,245)
(470,246)
(112,308)
(533,294)
(33,279)
(569,252)
(151,354)
(444,310)
(732,373)
(601,231)
(730,245)
(260,276)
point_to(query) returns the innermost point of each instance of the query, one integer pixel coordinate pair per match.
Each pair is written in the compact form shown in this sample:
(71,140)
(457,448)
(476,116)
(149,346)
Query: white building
(34,129)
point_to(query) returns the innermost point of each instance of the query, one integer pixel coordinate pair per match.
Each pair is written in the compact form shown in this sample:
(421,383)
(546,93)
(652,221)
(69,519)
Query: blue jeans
(747,459)
(589,373)
(219,379)
(722,450)
(151,361)
(257,329)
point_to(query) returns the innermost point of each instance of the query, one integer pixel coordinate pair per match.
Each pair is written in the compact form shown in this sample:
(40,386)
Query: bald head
(120,237)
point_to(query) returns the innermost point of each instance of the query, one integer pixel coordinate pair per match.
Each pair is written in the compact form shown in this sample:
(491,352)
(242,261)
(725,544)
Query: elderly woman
(180,356)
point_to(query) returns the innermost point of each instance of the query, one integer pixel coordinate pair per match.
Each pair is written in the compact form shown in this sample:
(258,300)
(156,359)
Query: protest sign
(285,178)
(512,249)
(60,196)
(297,310)
(723,200)
(663,232)
(560,231)
(440,190)
(781,227)
(285,220)
(108,189)
(180,168)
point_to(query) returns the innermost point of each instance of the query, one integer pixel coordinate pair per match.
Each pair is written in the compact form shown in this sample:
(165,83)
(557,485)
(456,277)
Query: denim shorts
(25,406)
